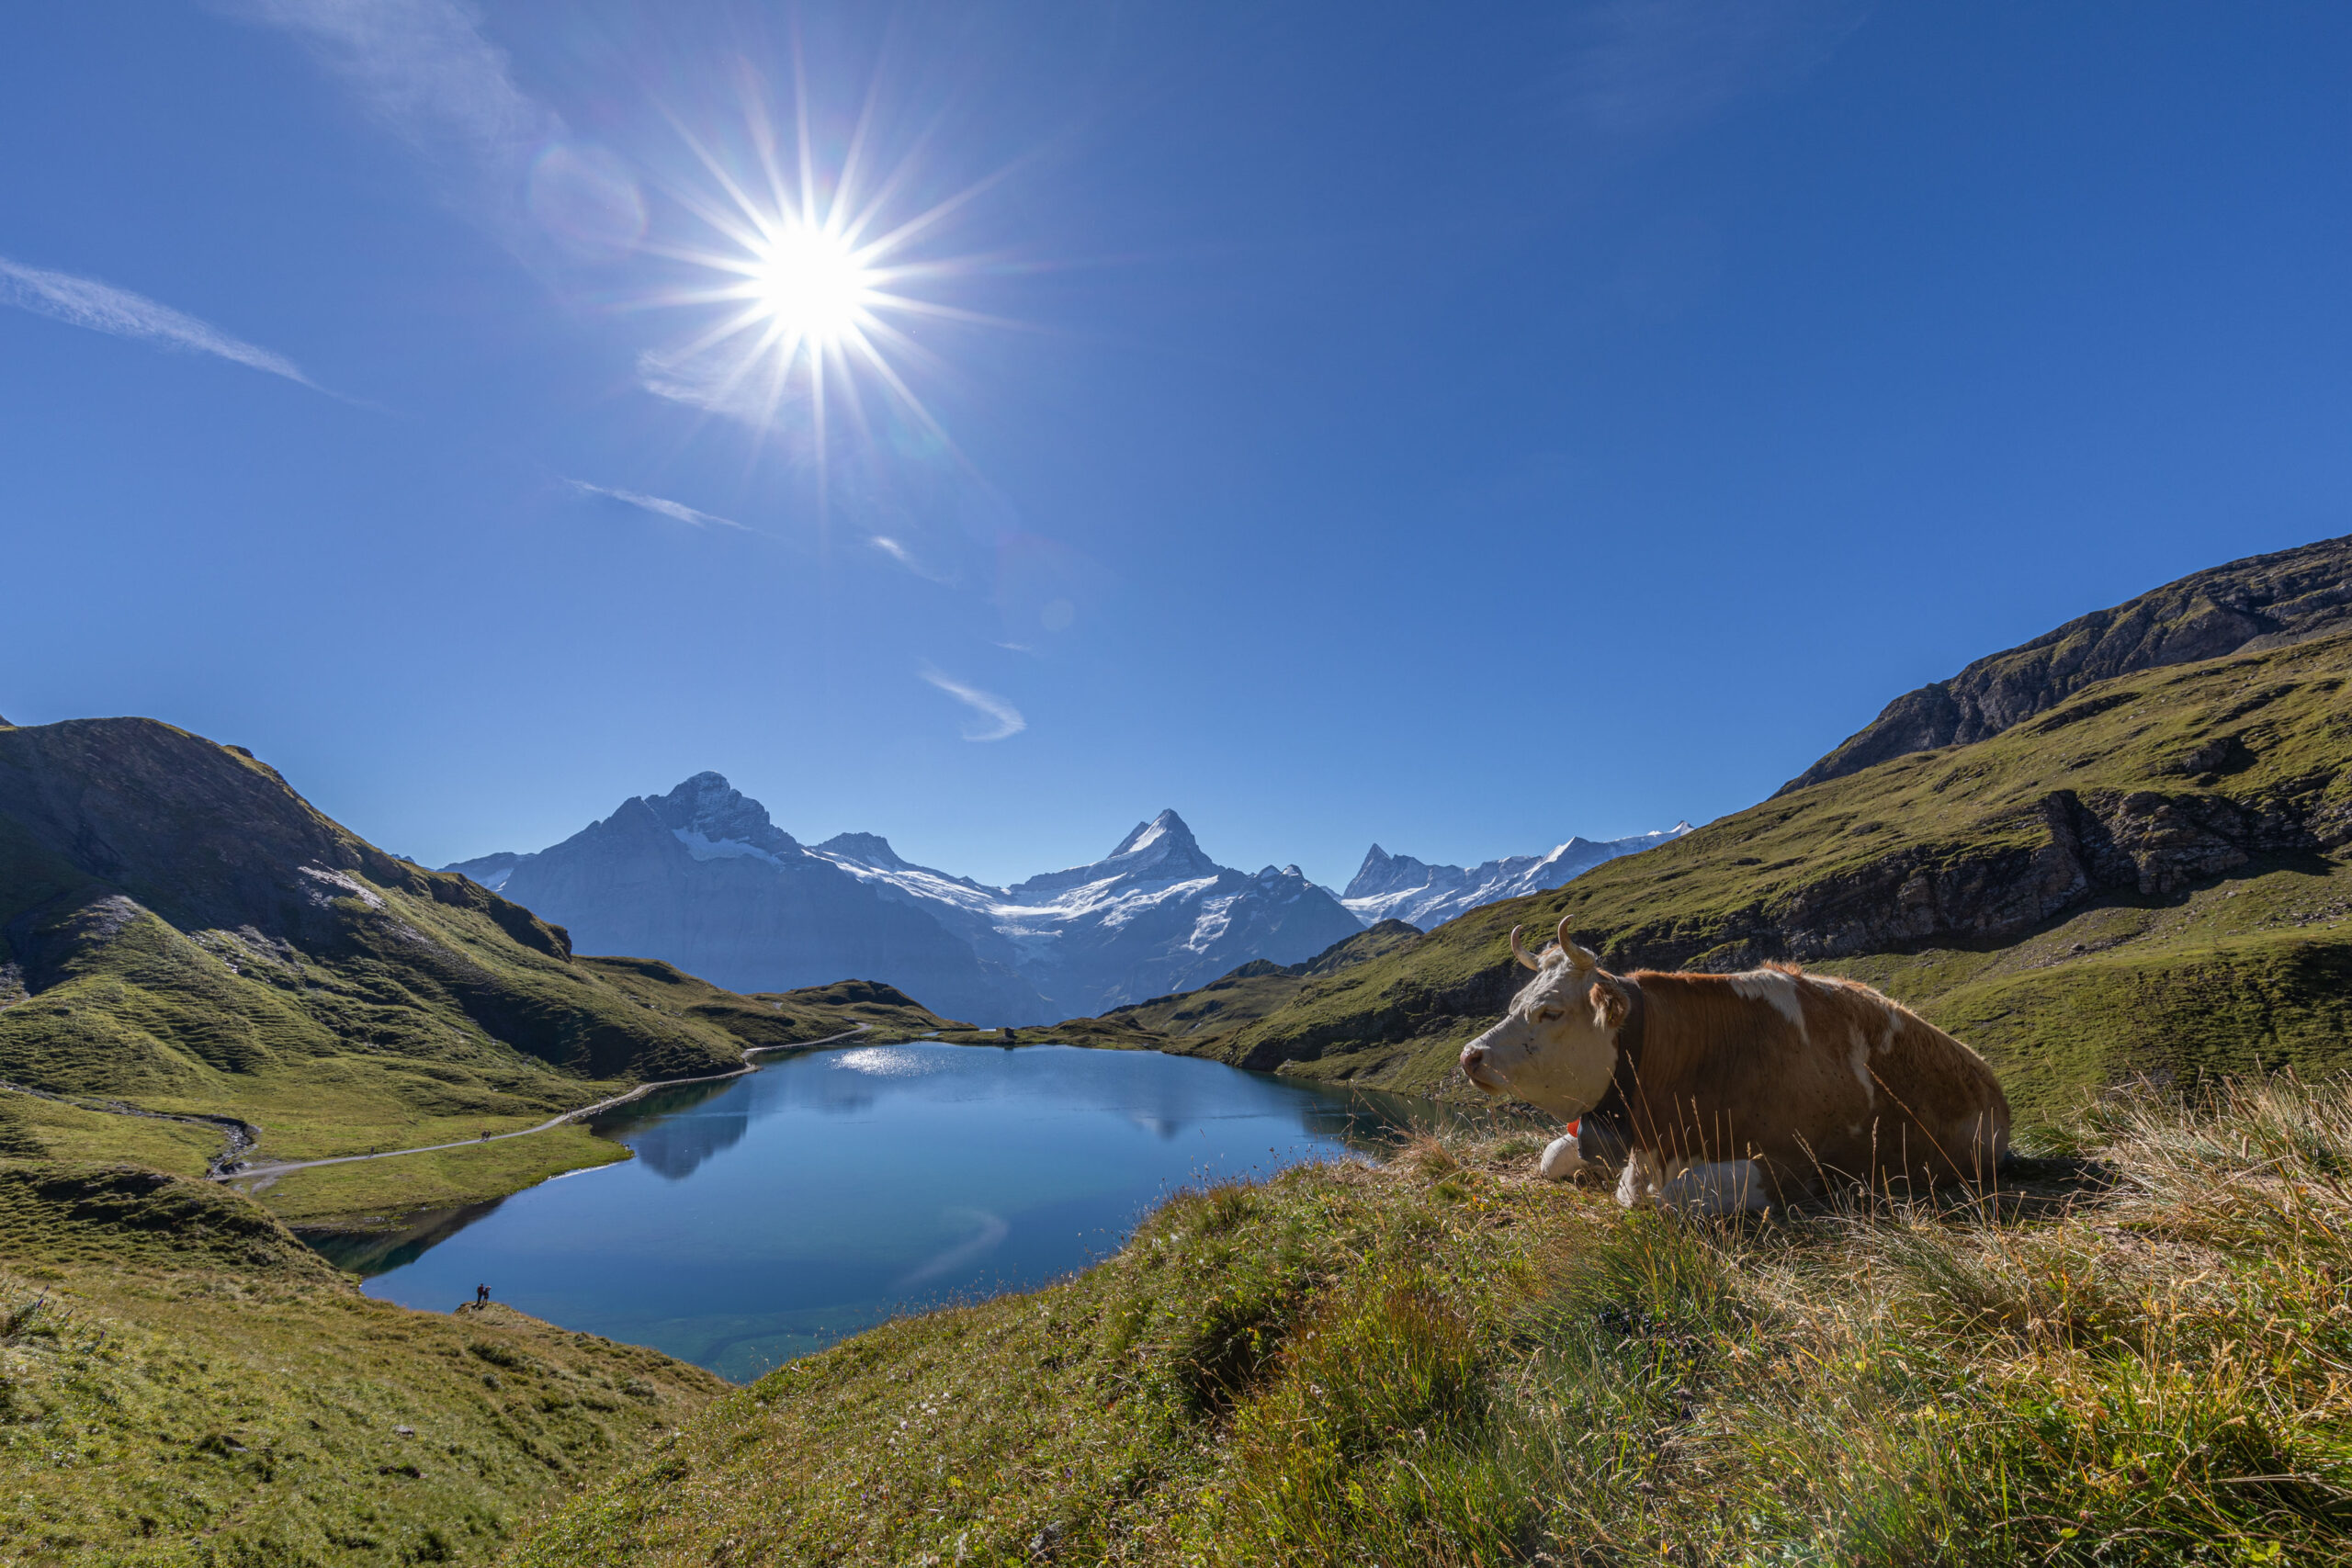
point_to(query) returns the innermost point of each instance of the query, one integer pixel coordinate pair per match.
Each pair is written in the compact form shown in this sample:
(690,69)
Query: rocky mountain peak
(708,805)
(1166,832)
(1384,872)
(867,849)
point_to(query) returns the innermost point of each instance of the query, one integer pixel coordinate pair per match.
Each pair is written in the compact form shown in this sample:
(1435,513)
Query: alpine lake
(766,1216)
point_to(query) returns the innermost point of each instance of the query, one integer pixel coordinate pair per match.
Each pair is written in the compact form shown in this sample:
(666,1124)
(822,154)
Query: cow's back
(1820,1078)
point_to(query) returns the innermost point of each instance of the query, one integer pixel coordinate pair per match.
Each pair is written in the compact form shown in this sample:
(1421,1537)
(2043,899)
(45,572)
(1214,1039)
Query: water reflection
(767,1215)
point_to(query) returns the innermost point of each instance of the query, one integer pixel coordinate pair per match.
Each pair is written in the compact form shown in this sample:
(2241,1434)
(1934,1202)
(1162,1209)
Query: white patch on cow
(1771,985)
(1859,1058)
(1891,1024)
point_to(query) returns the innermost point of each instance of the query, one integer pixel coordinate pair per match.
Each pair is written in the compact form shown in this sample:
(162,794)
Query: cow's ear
(1609,1005)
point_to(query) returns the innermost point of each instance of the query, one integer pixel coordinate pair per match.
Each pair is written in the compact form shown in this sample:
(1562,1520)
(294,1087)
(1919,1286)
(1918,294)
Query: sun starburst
(815,293)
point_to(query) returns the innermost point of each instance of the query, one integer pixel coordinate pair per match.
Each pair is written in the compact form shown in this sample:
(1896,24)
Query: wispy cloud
(897,551)
(1000,719)
(1641,66)
(102,308)
(751,391)
(422,68)
(677,510)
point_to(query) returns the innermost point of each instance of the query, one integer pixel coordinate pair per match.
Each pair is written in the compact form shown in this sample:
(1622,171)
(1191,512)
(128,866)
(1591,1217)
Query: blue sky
(1453,426)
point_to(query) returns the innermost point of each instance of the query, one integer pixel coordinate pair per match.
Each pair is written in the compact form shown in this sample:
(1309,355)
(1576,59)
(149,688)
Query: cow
(1737,1092)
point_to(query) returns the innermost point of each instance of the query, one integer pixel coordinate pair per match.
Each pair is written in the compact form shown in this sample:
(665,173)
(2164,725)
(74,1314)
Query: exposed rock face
(2259,602)
(2143,842)
(1400,887)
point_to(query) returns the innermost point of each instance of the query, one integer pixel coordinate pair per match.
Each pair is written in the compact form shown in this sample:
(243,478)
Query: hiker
(481,1295)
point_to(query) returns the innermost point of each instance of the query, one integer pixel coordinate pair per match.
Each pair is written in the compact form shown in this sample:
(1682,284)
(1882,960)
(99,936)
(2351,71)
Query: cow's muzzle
(1480,1071)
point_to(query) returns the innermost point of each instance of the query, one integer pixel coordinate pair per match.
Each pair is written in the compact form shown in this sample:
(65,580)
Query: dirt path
(268,1174)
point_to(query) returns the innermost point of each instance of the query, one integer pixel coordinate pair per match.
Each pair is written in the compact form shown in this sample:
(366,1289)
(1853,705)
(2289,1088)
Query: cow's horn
(1518,951)
(1578,957)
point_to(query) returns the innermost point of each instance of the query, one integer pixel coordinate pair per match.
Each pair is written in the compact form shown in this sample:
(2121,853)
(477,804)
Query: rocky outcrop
(2142,842)
(2249,606)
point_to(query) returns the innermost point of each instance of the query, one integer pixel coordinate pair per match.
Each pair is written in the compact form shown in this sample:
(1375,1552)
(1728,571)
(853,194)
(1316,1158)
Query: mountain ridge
(2242,606)
(1388,887)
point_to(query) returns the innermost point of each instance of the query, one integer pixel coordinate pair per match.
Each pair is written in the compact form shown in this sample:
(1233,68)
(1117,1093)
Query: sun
(811,284)
(817,290)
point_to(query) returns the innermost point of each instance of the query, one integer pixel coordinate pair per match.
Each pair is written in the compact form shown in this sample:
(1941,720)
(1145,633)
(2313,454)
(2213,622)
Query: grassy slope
(1443,1361)
(380,1195)
(2221,972)
(1226,1003)
(208,972)
(182,1383)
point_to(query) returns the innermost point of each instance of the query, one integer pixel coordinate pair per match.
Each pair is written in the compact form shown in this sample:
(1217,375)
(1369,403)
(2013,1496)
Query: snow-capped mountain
(702,877)
(1398,887)
(1154,915)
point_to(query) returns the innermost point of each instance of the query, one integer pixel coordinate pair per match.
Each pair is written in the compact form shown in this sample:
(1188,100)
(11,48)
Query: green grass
(2136,1356)
(387,1194)
(2065,988)
(181,1382)
(226,950)
(43,1129)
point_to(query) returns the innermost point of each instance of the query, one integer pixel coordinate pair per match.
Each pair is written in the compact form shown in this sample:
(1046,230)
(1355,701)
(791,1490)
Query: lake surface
(766,1217)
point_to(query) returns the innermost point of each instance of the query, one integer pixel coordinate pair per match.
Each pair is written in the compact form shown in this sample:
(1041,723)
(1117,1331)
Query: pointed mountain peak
(1165,831)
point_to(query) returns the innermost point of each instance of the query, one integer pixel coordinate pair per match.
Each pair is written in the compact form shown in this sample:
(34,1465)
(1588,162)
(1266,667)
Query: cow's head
(1557,1046)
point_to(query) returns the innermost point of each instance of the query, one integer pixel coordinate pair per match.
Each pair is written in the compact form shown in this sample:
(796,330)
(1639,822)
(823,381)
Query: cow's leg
(1561,1161)
(1592,1153)
(1717,1187)
(1638,1187)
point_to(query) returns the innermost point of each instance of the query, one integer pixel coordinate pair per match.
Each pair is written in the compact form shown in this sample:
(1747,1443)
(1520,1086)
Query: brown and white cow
(1739,1091)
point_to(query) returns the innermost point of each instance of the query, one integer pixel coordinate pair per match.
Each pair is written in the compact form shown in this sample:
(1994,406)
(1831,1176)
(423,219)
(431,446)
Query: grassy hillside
(182,1383)
(181,933)
(2151,878)
(2135,1358)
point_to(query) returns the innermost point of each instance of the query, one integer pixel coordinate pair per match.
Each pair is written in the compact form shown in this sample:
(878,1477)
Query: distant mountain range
(703,878)
(1398,887)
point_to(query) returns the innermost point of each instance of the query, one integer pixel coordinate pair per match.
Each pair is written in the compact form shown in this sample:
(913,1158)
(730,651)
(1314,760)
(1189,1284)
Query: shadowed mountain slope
(701,877)
(2259,602)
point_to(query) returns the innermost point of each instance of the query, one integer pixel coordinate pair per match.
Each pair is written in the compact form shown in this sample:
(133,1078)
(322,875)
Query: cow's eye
(1548,1015)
